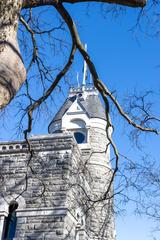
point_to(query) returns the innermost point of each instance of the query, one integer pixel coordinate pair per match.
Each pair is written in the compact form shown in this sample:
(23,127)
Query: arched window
(78,126)
(10,221)
(80,137)
(78,123)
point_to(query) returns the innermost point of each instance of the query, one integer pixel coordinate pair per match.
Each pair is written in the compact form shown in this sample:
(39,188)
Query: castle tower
(59,192)
(83,115)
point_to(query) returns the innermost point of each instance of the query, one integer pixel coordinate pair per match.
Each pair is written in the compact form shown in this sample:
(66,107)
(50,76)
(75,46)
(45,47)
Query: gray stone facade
(59,186)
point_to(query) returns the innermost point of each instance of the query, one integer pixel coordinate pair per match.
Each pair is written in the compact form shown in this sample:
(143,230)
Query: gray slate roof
(92,105)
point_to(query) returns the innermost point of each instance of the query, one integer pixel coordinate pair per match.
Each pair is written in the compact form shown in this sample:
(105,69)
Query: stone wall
(43,185)
(56,187)
(100,217)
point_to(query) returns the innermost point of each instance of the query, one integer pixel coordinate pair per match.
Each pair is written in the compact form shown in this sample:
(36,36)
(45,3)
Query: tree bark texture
(12,70)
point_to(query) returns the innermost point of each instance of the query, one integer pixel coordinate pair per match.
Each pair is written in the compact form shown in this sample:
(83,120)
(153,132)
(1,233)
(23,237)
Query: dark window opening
(80,137)
(24,146)
(80,95)
(10,222)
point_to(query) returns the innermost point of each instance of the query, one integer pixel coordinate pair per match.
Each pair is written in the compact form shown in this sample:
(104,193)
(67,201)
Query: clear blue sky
(125,61)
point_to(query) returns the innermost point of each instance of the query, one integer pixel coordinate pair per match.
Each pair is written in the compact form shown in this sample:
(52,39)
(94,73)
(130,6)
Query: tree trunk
(12,70)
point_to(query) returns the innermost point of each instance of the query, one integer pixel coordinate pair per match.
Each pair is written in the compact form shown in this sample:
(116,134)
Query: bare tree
(33,27)
(13,72)
(9,15)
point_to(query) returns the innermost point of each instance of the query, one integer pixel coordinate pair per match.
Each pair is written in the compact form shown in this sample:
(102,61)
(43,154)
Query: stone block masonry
(43,186)
(55,188)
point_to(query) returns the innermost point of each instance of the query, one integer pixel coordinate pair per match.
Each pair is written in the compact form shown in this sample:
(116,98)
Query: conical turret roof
(88,99)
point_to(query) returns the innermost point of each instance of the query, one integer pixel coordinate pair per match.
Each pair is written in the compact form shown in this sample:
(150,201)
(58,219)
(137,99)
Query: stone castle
(58,190)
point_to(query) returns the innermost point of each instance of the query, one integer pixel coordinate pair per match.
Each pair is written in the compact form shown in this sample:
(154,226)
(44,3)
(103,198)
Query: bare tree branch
(36,104)
(38,3)
(104,91)
(35,48)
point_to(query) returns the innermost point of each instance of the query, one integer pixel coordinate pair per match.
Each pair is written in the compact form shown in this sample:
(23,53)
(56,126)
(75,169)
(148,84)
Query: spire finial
(78,79)
(90,79)
(84,71)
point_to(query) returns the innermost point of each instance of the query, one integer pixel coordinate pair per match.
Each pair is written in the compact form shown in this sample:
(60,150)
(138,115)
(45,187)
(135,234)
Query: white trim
(2,218)
(3,214)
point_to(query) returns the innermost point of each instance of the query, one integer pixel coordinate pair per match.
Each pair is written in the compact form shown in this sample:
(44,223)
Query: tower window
(80,137)
(10,222)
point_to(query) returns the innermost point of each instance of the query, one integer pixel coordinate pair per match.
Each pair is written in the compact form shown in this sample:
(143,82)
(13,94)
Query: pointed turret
(81,103)
(83,115)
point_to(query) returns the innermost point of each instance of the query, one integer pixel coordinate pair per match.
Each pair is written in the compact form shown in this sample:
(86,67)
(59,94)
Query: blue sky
(126,60)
